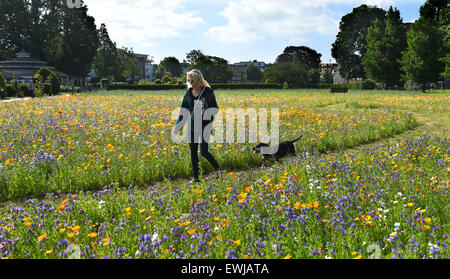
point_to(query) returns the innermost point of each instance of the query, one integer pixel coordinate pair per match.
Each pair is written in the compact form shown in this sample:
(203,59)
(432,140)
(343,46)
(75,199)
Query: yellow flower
(237,242)
(288,257)
(191,232)
(141,211)
(127,211)
(49,252)
(357,257)
(70,235)
(428,220)
(76,229)
(410,204)
(92,235)
(42,237)
(426,227)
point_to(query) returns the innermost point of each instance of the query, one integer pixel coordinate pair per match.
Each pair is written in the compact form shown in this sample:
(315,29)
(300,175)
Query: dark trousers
(203,151)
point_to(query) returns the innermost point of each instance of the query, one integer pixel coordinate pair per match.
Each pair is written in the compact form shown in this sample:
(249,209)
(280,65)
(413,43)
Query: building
(239,75)
(333,68)
(22,68)
(142,59)
(149,70)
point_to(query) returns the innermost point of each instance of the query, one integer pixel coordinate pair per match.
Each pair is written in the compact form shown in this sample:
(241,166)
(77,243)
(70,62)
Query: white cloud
(138,22)
(249,20)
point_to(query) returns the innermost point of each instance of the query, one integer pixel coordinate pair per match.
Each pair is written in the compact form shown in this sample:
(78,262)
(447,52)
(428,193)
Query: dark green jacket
(188,102)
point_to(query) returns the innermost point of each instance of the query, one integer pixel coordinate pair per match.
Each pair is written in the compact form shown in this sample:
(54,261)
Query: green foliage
(253,73)
(104,82)
(49,76)
(157,81)
(422,60)
(385,42)
(2,87)
(368,84)
(294,73)
(171,65)
(11,91)
(313,77)
(301,54)
(214,69)
(350,45)
(109,60)
(327,77)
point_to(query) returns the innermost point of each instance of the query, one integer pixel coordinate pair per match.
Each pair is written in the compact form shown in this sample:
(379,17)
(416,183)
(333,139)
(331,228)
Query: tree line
(376,44)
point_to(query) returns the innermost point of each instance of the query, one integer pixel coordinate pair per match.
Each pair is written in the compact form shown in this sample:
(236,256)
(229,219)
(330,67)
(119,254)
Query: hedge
(183,86)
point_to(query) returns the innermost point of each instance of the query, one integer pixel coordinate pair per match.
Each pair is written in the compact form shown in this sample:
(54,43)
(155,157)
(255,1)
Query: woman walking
(199,93)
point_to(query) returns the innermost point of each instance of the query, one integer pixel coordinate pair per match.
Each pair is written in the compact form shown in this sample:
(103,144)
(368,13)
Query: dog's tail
(297,138)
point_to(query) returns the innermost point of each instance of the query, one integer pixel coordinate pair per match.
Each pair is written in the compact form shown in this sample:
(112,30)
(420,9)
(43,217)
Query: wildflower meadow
(98,176)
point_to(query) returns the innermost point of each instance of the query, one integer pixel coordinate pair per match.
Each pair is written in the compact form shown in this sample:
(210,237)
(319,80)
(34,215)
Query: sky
(236,30)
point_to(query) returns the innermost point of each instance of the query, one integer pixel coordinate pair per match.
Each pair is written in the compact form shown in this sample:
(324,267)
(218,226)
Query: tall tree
(107,62)
(171,64)
(385,42)
(214,69)
(302,54)
(130,63)
(422,59)
(79,41)
(350,44)
(253,73)
(14,27)
(432,8)
(327,77)
(293,73)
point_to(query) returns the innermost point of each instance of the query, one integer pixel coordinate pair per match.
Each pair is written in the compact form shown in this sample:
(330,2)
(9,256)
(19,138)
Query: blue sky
(237,30)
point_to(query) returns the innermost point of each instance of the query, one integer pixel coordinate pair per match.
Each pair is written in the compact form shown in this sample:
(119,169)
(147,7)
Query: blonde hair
(196,75)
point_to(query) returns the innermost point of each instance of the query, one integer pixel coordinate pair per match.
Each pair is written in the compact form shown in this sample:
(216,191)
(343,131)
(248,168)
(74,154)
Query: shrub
(26,92)
(49,76)
(166,79)
(11,91)
(368,84)
(2,87)
(48,89)
(157,81)
(104,82)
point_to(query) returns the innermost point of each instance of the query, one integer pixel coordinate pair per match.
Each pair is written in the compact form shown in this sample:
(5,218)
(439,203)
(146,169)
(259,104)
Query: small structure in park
(22,68)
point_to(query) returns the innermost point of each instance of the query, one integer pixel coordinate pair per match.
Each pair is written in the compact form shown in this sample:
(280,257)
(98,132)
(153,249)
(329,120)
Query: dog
(277,152)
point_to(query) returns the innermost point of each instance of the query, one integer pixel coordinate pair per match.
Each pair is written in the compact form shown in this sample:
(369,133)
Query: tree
(293,73)
(214,69)
(130,64)
(14,27)
(350,45)
(422,59)
(327,77)
(302,54)
(439,12)
(432,8)
(2,87)
(313,77)
(80,42)
(172,65)
(253,73)
(385,42)
(107,62)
